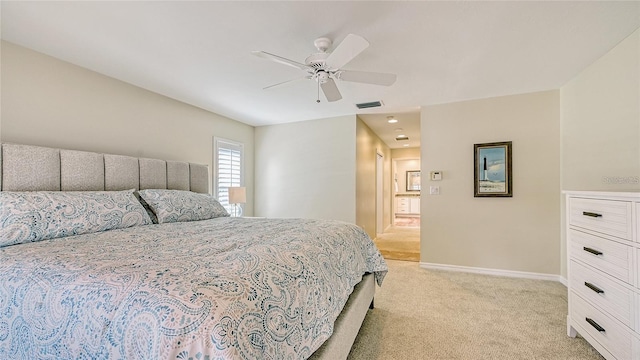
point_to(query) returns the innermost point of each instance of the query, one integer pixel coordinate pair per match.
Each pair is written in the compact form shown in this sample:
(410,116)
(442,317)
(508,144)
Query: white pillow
(180,205)
(40,215)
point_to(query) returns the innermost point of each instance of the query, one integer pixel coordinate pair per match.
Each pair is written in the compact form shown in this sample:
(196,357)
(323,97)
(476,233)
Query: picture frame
(493,169)
(413,180)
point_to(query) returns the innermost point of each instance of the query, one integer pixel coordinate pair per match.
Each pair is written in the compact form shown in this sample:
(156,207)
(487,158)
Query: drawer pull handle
(591,214)
(593,251)
(593,287)
(595,324)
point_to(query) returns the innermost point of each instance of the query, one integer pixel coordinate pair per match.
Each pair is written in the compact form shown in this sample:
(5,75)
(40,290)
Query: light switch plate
(434,190)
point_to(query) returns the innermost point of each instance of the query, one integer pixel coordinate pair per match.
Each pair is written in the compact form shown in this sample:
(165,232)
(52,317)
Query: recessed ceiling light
(401,135)
(405,145)
(391,120)
(399,129)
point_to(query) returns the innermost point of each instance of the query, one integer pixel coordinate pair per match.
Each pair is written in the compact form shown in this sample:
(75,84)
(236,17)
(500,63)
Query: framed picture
(492,170)
(413,180)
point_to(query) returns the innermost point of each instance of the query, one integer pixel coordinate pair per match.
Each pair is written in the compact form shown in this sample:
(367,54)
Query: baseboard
(495,272)
(563,281)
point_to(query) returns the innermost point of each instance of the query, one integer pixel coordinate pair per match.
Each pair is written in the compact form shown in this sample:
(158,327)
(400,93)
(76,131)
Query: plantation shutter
(229,157)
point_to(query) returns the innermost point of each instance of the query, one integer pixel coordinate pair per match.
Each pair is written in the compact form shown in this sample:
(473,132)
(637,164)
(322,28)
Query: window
(229,169)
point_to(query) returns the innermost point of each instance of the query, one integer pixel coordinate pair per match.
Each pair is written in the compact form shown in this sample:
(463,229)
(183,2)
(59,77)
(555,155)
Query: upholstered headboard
(35,168)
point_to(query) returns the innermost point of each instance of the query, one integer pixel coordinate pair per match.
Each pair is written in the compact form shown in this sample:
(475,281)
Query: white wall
(601,124)
(48,102)
(521,233)
(307,169)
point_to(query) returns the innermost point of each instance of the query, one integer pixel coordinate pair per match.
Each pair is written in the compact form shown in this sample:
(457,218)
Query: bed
(107,256)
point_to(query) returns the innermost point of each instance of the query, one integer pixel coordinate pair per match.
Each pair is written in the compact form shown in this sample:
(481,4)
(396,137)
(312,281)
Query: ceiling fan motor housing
(317,60)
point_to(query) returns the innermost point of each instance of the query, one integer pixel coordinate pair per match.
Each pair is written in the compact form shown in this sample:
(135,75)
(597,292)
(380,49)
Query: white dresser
(603,262)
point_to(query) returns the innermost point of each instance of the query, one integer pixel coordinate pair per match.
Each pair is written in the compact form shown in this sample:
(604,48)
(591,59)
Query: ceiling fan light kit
(324,67)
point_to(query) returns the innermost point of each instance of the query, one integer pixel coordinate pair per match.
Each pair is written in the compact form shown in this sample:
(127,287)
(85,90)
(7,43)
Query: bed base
(348,322)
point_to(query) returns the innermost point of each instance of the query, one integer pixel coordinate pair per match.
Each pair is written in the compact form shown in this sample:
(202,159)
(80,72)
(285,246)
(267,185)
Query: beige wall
(601,125)
(307,169)
(405,153)
(49,102)
(368,144)
(402,166)
(399,157)
(521,233)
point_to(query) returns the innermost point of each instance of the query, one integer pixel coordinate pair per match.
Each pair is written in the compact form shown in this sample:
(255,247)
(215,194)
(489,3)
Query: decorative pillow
(41,215)
(180,205)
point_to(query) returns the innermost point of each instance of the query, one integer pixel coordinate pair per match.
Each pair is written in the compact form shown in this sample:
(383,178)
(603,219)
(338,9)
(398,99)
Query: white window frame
(228,144)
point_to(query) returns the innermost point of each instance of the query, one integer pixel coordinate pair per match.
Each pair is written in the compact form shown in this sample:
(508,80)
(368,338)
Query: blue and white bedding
(224,288)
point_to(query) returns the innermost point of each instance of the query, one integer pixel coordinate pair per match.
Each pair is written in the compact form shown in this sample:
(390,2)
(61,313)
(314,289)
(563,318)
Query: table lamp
(237,195)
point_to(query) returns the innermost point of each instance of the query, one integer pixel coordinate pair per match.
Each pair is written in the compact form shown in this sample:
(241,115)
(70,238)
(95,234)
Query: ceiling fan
(326,67)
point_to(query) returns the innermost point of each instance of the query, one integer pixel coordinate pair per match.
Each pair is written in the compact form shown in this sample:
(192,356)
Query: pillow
(40,215)
(180,205)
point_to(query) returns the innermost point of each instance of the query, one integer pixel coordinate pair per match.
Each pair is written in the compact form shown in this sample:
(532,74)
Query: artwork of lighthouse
(486,174)
(492,173)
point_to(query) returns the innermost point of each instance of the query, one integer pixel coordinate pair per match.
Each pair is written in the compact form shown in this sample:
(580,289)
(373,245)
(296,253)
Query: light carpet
(433,314)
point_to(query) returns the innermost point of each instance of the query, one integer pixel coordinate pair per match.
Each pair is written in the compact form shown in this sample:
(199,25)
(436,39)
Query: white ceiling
(200,52)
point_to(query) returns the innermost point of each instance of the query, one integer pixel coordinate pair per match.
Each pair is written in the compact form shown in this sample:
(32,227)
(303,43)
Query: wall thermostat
(436,175)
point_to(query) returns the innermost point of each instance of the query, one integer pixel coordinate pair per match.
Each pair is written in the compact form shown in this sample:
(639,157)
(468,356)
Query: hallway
(400,243)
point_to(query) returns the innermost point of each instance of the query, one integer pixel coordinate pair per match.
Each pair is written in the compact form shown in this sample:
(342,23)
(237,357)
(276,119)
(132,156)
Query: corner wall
(521,233)
(307,169)
(49,102)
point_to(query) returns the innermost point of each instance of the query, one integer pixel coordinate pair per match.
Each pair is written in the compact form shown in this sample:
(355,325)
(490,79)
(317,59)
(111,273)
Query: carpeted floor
(431,314)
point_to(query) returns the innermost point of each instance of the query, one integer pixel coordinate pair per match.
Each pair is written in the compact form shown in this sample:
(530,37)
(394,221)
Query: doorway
(401,241)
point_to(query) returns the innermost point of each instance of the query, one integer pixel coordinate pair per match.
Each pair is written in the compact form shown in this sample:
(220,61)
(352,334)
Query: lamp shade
(237,195)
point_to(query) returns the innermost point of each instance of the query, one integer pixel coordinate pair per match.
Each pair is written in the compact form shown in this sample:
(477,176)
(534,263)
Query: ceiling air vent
(369,105)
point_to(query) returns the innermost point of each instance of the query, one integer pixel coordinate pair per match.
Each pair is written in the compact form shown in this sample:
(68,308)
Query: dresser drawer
(604,216)
(607,256)
(605,293)
(403,201)
(615,337)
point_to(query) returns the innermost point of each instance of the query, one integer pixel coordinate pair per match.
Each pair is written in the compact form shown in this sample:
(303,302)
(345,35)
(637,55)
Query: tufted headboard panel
(35,168)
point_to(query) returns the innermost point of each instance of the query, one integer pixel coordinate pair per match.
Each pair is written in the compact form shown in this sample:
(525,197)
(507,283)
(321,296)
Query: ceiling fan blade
(281,60)
(330,90)
(367,77)
(348,49)
(286,82)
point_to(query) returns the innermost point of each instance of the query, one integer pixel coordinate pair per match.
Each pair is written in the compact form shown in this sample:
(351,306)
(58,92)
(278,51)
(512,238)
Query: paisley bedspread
(225,288)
